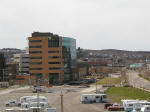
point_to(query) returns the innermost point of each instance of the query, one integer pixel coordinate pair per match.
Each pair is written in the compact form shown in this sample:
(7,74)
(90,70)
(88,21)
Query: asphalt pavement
(136,81)
(71,98)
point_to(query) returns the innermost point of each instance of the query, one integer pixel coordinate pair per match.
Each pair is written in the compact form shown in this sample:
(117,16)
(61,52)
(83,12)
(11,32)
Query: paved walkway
(92,88)
(9,90)
(136,81)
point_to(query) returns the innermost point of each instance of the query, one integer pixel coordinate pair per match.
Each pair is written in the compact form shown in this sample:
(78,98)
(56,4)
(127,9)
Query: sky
(95,24)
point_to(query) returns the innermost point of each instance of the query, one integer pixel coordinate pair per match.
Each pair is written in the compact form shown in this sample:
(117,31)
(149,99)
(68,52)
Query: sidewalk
(9,90)
(92,88)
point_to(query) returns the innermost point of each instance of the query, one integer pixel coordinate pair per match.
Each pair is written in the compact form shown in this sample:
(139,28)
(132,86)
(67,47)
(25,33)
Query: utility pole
(62,106)
(96,85)
(38,101)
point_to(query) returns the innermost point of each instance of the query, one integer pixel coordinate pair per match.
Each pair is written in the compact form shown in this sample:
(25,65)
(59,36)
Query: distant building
(23,62)
(2,68)
(12,70)
(136,65)
(9,53)
(52,57)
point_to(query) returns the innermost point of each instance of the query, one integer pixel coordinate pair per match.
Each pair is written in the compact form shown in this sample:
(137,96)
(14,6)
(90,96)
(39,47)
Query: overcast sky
(95,24)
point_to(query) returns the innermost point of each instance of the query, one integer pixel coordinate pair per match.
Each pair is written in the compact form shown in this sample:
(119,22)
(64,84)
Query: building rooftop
(39,34)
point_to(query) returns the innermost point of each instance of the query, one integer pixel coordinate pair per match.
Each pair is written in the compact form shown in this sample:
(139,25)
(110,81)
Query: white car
(145,108)
(13,103)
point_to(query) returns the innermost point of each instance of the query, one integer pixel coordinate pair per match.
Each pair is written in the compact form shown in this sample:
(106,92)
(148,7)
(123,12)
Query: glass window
(35,68)
(54,63)
(53,51)
(54,68)
(53,57)
(35,52)
(35,57)
(34,63)
(53,41)
(25,62)
(35,46)
(35,40)
(53,78)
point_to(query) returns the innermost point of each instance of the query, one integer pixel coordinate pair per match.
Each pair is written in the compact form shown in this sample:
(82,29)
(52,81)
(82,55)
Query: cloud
(96,24)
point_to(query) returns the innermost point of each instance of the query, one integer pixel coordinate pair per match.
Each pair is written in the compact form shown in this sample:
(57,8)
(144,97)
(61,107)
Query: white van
(25,99)
(35,109)
(35,99)
(17,110)
(25,105)
(93,98)
(43,105)
(131,105)
(145,108)
(50,110)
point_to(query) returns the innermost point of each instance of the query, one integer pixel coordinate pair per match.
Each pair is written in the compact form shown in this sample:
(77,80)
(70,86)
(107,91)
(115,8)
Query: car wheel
(109,109)
(7,105)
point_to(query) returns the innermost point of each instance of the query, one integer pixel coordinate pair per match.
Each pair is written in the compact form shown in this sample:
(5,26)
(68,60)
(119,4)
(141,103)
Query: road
(137,81)
(71,99)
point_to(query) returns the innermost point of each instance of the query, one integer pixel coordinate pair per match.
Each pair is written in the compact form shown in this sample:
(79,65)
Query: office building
(23,63)
(52,57)
(2,68)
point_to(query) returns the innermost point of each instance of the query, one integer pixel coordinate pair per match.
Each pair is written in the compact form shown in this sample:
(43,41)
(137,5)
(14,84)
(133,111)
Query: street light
(62,106)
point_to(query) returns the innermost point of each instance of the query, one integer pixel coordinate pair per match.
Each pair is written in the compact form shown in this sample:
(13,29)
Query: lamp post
(96,85)
(38,101)
(62,106)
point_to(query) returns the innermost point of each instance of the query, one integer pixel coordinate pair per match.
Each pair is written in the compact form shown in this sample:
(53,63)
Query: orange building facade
(46,57)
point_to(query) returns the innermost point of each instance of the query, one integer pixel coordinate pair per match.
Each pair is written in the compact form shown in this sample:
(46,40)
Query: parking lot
(71,99)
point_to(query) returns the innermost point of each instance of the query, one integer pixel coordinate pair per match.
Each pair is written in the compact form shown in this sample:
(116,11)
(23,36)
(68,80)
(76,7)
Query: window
(54,78)
(35,52)
(25,57)
(130,105)
(35,46)
(54,63)
(148,108)
(97,96)
(53,57)
(35,57)
(35,40)
(34,63)
(53,51)
(104,96)
(35,68)
(54,68)
(25,62)
(36,74)
(53,41)
(25,67)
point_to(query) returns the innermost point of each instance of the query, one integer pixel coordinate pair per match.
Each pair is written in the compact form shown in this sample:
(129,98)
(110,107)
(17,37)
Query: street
(136,81)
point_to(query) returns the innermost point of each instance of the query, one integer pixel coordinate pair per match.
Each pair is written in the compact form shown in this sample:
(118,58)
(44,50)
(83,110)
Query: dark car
(107,105)
(116,108)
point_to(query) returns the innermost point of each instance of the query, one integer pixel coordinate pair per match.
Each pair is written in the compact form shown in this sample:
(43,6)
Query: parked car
(38,88)
(13,103)
(93,98)
(116,108)
(145,108)
(50,110)
(107,105)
